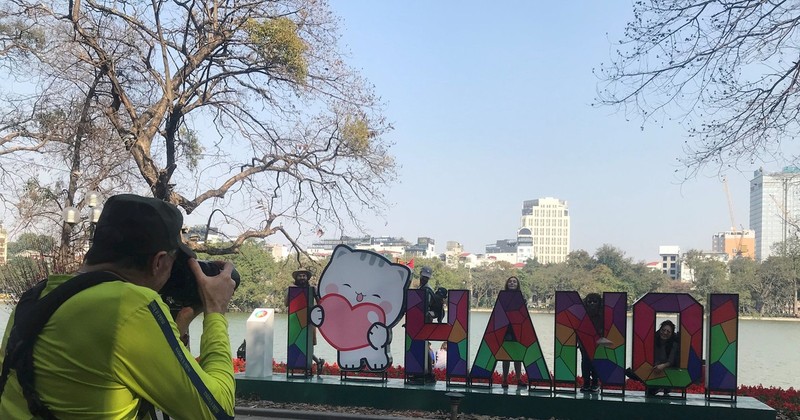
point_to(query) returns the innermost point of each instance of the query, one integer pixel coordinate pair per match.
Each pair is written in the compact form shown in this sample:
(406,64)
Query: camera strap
(30,316)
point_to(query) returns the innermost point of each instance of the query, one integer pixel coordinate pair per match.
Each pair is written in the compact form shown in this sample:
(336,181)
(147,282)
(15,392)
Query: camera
(180,290)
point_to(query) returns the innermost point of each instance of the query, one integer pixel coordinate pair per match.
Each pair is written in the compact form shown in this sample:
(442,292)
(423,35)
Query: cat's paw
(378,362)
(378,335)
(317,316)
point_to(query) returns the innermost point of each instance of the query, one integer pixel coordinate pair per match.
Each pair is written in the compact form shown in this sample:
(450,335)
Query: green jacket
(104,350)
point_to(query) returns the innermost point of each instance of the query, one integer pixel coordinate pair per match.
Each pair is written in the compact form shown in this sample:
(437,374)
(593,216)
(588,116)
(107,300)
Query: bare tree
(728,71)
(247,104)
(54,142)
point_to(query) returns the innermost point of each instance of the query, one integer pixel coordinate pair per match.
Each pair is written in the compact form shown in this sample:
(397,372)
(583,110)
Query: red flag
(410,264)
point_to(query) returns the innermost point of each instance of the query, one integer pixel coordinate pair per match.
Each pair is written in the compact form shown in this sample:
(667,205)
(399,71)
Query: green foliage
(708,275)
(20,274)
(279,46)
(356,134)
(581,259)
(27,38)
(50,121)
(764,289)
(42,244)
(742,279)
(613,258)
(487,281)
(190,146)
(259,286)
(773,286)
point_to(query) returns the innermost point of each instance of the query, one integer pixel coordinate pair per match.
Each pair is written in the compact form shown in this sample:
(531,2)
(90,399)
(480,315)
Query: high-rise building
(545,229)
(774,208)
(735,243)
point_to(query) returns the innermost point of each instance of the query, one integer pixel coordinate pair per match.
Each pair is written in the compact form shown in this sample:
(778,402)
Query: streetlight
(208,224)
(72,215)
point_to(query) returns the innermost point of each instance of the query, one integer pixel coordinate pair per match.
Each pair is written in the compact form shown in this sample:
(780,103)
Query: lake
(767,348)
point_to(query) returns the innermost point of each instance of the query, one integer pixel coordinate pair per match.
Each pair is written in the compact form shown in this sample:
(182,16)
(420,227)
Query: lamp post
(72,215)
(208,224)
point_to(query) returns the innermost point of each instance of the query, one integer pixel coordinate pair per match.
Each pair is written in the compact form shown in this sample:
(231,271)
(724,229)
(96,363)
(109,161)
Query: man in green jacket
(113,350)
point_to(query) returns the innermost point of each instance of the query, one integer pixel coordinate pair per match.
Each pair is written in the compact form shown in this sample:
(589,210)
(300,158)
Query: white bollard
(259,343)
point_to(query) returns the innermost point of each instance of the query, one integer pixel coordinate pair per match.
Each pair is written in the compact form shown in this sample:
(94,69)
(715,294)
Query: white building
(670,260)
(774,208)
(385,245)
(425,247)
(453,250)
(278,252)
(502,250)
(524,245)
(548,229)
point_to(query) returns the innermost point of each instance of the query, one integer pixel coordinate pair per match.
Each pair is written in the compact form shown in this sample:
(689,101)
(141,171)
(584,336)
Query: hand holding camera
(215,291)
(195,283)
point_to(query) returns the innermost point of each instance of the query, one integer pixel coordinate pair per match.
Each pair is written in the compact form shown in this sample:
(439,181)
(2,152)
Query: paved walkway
(274,413)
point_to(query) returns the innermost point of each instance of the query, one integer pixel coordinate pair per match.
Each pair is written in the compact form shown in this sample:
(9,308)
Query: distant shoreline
(630,314)
(8,305)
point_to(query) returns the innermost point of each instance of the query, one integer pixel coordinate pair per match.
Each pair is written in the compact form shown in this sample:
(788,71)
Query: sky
(492,105)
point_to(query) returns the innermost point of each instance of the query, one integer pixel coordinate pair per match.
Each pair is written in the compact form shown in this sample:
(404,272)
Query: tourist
(112,350)
(302,278)
(512,284)
(425,274)
(441,357)
(594,310)
(665,352)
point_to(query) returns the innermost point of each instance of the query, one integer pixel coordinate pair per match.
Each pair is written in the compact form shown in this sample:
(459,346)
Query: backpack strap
(30,316)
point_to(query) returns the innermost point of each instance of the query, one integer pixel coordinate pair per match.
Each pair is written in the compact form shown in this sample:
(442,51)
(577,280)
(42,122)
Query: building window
(672,258)
(664,265)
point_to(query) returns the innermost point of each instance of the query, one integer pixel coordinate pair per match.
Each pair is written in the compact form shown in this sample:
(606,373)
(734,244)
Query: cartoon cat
(361,297)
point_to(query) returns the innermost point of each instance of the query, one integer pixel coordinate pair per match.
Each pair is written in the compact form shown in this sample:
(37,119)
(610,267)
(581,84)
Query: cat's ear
(340,250)
(404,273)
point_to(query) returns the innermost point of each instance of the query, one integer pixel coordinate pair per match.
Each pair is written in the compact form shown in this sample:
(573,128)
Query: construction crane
(738,251)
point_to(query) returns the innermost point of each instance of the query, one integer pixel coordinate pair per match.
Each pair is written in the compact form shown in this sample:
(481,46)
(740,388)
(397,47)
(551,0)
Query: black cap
(426,272)
(135,225)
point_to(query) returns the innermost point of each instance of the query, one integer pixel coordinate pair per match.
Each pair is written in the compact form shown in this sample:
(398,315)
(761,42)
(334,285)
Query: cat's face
(365,277)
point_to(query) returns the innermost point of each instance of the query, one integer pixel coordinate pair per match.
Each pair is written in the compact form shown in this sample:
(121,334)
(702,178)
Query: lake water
(767,348)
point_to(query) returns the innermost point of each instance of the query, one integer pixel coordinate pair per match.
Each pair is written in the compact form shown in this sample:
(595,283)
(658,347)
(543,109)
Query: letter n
(573,326)
(455,332)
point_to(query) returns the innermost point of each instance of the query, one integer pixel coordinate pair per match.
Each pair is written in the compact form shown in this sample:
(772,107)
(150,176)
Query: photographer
(112,350)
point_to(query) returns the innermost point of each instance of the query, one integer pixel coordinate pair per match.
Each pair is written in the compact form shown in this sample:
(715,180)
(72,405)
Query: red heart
(346,327)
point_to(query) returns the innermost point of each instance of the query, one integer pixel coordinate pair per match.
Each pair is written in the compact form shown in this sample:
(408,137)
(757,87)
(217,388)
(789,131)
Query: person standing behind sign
(594,310)
(665,352)
(302,278)
(512,284)
(424,278)
(425,274)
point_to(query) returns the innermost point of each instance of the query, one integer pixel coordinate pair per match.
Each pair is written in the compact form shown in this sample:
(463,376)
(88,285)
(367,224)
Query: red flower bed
(785,401)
